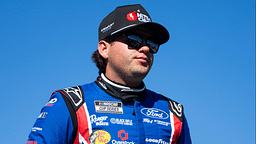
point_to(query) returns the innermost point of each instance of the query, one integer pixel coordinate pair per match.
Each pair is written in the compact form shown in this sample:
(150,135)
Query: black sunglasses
(135,41)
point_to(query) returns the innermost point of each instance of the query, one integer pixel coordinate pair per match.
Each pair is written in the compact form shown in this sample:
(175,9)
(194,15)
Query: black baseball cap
(124,18)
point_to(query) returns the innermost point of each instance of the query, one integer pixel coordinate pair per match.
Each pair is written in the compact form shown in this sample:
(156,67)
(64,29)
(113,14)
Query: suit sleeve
(185,134)
(53,125)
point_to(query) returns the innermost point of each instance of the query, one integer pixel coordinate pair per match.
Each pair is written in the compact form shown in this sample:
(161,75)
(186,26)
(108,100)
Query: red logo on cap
(132,16)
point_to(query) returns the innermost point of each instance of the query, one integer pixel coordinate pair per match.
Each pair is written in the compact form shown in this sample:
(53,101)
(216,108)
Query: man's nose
(144,46)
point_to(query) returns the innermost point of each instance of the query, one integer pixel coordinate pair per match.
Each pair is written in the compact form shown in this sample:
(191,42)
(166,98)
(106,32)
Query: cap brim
(160,33)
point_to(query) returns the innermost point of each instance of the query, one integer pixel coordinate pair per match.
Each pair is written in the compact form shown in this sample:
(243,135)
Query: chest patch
(108,107)
(100,137)
(154,113)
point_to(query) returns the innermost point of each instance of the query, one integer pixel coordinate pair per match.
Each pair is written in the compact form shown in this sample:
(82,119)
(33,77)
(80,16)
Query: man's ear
(103,47)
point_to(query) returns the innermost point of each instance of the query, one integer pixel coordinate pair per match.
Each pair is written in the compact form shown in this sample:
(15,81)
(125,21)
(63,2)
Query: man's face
(127,62)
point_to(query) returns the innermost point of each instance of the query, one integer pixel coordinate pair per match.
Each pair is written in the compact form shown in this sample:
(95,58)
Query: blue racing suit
(105,112)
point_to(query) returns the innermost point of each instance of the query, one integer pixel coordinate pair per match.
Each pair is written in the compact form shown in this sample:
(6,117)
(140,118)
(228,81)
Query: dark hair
(99,61)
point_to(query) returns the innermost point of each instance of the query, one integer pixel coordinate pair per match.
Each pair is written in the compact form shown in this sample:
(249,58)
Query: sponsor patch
(121,121)
(31,142)
(137,15)
(158,141)
(146,120)
(107,28)
(154,113)
(99,121)
(42,115)
(108,107)
(100,137)
(123,136)
(34,129)
(51,102)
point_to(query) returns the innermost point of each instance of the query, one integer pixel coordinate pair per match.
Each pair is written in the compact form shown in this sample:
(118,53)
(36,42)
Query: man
(116,108)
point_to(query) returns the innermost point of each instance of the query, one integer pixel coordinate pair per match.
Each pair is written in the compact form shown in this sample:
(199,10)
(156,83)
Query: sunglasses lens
(134,41)
(152,46)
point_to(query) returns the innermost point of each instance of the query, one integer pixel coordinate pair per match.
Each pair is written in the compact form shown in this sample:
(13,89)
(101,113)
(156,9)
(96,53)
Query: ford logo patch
(154,113)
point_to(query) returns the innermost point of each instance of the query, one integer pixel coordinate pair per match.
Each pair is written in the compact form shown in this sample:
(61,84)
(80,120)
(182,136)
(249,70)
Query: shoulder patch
(175,108)
(75,96)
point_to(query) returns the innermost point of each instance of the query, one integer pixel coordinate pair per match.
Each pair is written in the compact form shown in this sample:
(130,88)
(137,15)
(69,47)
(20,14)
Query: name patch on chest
(108,107)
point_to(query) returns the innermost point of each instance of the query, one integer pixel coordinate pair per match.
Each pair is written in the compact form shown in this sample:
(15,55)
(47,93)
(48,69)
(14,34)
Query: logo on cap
(133,16)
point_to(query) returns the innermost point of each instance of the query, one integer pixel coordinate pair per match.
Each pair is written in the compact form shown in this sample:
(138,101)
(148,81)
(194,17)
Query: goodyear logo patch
(108,107)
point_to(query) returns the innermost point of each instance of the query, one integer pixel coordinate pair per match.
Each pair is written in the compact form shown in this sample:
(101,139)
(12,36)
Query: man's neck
(120,91)
(124,80)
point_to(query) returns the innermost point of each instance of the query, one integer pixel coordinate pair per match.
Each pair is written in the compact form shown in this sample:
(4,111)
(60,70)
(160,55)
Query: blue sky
(208,65)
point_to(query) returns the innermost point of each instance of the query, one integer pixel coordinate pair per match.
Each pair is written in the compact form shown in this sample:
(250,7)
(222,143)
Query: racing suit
(106,112)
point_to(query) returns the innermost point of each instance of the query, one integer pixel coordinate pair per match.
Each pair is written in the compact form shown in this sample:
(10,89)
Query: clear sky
(208,65)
